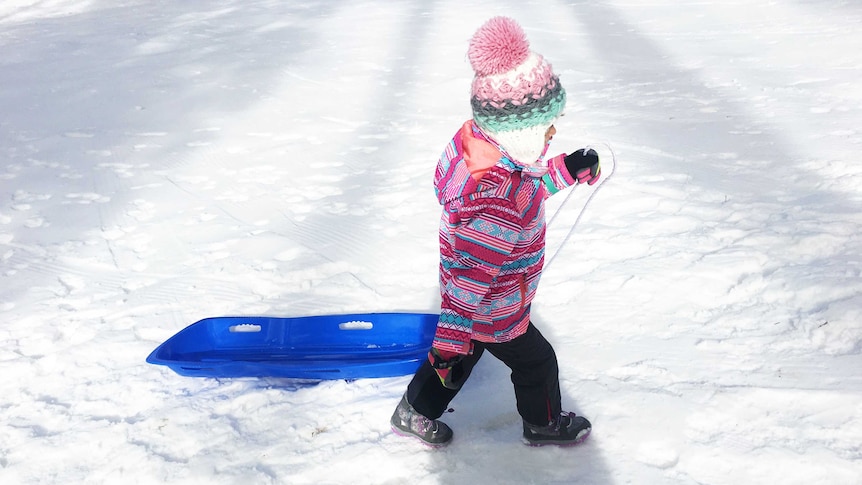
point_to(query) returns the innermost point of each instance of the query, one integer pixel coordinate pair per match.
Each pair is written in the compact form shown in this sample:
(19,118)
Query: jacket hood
(468,157)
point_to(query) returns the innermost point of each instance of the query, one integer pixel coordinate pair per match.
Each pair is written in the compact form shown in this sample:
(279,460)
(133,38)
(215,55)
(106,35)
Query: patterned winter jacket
(492,239)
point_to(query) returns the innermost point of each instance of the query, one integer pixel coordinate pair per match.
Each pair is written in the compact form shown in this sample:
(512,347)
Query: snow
(163,162)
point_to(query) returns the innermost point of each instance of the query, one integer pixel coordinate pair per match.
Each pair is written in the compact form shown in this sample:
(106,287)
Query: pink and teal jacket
(492,239)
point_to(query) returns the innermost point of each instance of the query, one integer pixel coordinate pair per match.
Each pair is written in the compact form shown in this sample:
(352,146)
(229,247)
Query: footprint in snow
(658,454)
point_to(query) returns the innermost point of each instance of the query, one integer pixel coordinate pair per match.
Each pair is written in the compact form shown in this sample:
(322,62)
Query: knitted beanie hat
(516,96)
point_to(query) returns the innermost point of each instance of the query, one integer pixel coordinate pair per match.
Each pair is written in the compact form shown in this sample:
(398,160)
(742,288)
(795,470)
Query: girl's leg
(427,394)
(535,375)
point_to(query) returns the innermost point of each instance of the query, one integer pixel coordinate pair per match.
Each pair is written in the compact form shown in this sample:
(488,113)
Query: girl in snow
(492,180)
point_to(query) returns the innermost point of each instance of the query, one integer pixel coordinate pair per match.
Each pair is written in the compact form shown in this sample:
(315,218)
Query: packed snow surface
(163,162)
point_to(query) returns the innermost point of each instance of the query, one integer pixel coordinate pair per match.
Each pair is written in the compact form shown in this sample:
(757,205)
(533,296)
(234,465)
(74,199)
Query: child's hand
(584,166)
(444,363)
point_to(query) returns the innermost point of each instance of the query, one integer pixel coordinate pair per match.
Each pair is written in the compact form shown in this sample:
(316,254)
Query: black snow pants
(535,376)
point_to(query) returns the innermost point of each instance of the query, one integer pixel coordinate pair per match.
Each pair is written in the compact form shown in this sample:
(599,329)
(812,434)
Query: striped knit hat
(516,96)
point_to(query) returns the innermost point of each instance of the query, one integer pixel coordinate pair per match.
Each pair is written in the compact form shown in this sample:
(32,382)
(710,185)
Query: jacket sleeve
(483,241)
(558,176)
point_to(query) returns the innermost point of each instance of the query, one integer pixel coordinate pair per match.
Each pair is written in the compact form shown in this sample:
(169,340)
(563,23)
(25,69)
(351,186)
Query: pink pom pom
(498,46)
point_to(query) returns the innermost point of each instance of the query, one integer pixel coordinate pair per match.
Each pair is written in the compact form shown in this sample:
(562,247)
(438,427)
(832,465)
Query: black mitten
(584,166)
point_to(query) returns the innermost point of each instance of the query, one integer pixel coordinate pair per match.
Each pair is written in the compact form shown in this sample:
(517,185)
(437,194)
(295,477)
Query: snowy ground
(162,162)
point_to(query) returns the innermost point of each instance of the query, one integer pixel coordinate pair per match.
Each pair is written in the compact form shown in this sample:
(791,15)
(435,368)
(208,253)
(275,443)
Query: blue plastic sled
(317,347)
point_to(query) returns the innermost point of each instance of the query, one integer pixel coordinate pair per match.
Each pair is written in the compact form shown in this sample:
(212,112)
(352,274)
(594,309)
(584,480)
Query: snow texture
(162,162)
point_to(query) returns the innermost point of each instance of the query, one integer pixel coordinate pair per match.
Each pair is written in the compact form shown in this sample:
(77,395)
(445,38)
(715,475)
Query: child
(492,181)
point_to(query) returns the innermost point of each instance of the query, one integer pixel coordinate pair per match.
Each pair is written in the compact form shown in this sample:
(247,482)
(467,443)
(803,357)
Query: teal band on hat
(510,117)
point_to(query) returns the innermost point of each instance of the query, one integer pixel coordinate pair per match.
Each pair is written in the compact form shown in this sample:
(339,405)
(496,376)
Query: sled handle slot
(356,325)
(244,328)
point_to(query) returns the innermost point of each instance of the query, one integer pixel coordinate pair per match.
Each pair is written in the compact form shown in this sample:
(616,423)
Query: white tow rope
(583,209)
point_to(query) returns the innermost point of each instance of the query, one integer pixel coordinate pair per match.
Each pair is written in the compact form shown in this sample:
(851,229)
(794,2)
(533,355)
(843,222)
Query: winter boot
(407,422)
(568,429)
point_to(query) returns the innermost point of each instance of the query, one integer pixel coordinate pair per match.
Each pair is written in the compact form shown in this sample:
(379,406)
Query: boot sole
(582,436)
(405,434)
